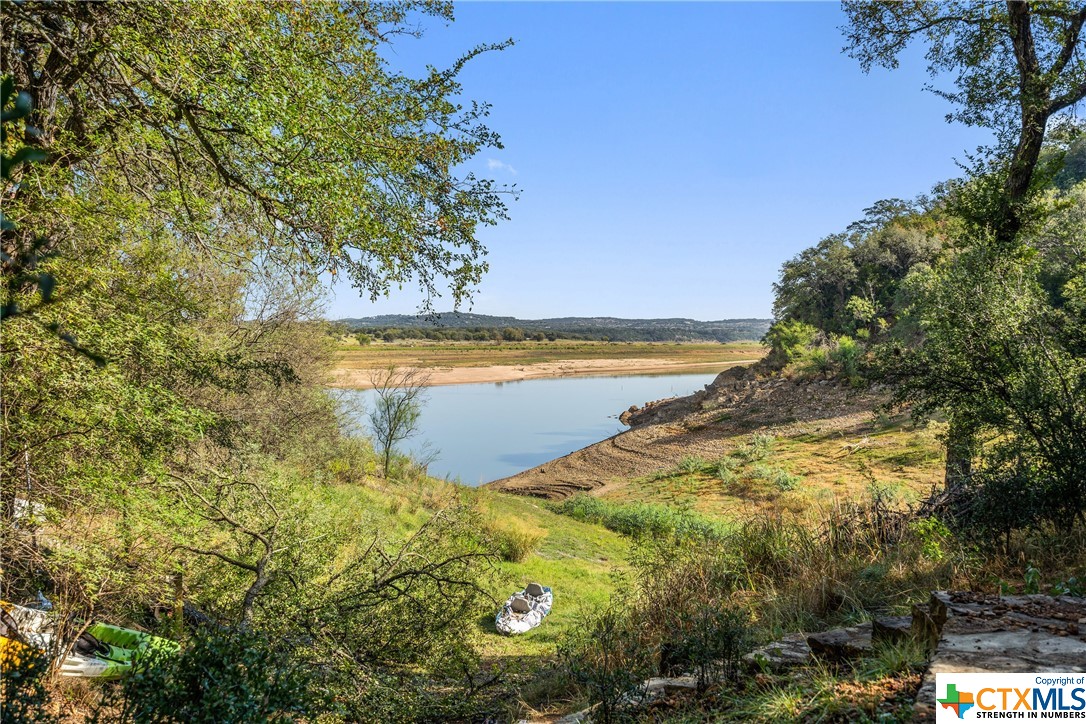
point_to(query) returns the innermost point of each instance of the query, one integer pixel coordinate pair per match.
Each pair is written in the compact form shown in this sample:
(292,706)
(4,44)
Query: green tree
(1003,346)
(1016,66)
(279,121)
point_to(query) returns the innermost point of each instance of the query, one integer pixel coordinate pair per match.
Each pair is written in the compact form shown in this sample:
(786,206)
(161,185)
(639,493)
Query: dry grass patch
(475,354)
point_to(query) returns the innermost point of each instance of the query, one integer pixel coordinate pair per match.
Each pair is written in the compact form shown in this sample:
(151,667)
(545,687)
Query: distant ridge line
(615,328)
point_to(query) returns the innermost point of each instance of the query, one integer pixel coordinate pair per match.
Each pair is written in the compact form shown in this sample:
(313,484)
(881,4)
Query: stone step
(842,644)
(792,650)
(988,633)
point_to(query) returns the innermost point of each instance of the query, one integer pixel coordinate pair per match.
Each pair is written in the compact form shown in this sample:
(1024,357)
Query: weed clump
(515,546)
(641,520)
(691,464)
(758,447)
(608,660)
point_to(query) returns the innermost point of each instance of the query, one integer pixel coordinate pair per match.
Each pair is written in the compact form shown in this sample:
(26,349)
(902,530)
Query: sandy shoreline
(359,378)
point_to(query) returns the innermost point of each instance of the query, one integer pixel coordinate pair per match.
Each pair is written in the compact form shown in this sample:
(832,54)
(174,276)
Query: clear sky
(671,156)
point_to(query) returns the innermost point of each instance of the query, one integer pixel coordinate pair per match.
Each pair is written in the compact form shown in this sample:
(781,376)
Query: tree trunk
(960,445)
(178,612)
(1019,176)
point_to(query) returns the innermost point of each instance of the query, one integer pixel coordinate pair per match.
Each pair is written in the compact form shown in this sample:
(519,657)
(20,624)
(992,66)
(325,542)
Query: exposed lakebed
(482,432)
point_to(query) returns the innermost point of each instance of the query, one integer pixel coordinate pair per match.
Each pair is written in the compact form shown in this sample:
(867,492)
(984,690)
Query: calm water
(483,432)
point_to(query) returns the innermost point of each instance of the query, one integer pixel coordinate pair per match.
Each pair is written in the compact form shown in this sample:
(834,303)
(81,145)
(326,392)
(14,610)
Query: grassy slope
(578,559)
(799,475)
(825,467)
(575,559)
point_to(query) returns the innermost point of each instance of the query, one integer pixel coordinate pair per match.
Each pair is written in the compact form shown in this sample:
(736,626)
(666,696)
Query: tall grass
(514,541)
(641,520)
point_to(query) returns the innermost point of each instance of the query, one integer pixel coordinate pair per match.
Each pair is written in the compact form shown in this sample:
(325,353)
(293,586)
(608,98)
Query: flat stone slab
(792,650)
(985,633)
(891,629)
(843,643)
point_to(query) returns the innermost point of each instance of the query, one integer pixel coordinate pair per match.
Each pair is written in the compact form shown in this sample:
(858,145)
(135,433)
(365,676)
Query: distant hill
(612,328)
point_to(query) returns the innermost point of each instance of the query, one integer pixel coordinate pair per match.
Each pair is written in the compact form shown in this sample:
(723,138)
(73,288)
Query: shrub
(710,639)
(726,474)
(23,695)
(931,536)
(757,448)
(691,464)
(816,361)
(788,340)
(410,697)
(221,675)
(640,520)
(683,605)
(785,480)
(762,472)
(726,463)
(847,354)
(608,661)
(516,545)
(762,443)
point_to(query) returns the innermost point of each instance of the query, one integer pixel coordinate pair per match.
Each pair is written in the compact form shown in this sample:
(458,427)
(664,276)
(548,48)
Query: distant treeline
(366,335)
(467,334)
(508,329)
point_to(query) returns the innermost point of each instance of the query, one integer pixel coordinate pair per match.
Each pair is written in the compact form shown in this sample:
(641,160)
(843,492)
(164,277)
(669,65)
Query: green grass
(642,520)
(575,558)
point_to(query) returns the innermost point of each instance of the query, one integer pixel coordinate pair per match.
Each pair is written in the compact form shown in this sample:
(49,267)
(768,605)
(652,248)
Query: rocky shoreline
(739,400)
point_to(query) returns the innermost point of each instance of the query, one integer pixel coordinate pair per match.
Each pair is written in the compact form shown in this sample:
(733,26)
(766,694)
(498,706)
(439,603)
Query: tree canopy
(1015,66)
(258,132)
(193,171)
(969,300)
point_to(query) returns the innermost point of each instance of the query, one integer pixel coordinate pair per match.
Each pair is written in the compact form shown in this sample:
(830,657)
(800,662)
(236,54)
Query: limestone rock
(841,644)
(891,629)
(790,651)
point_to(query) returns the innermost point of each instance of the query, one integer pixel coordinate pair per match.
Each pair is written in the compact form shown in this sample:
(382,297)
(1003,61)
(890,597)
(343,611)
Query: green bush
(758,446)
(931,536)
(515,546)
(684,606)
(762,443)
(388,698)
(726,473)
(816,361)
(23,695)
(847,354)
(785,480)
(788,340)
(641,520)
(221,675)
(691,464)
(709,638)
(607,659)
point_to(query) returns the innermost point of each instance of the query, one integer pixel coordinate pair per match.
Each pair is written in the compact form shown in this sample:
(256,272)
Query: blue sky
(671,156)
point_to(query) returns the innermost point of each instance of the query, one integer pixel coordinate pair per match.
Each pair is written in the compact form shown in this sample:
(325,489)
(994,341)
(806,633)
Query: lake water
(483,432)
